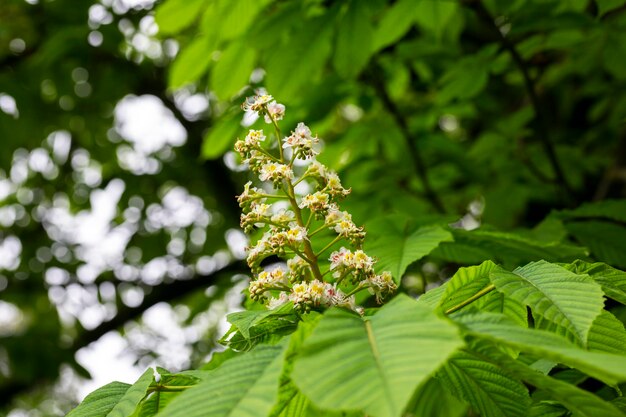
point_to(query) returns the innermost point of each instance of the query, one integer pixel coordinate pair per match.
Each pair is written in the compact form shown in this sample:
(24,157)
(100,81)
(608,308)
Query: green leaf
(606,367)
(373,363)
(465,283)
(245,386)
(394,24)
(175,15)
(605,6)
(604,239)
(486,387)
(300,60)
(221,136)
(612,281)
(192,62)
(244,320)
(431,399)
(396,249)
(434,15)
(510,249)
(547,409)
(354,40)
(607,334)
(128,403)
(496,302)
(568,300)
(609,209)
(268,331)
(291,402)
(158,399)
(580,402)
(232,72)
(100,402)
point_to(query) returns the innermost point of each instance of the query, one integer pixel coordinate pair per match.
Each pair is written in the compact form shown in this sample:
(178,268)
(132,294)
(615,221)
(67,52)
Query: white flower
(316,202)
(316,169)
(261,210)
(335,215)
(275,172)
(296,234)
(254,137)
(276,302)
(381,285)
(337,258)
(275,111)
(283,216)
(302,141)
(257,102)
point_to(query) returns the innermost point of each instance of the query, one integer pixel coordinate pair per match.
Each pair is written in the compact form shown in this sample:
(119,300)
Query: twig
(375,80)
(542,131)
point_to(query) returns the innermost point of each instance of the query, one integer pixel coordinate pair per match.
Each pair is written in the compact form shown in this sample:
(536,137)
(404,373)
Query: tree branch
(374,78)
(542,131)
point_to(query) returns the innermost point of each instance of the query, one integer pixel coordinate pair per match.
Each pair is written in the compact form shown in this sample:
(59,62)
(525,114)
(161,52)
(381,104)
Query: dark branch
(375,79)
(162,293)
(542,131)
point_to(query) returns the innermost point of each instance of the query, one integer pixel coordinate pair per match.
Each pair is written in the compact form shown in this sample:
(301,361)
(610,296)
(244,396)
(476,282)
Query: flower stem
(470,300)
(331,243)
(308,250)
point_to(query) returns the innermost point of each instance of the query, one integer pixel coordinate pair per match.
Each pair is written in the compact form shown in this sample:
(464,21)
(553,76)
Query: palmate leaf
(612,281)
(373,363)
(245,386)
(489,390)
(244,320)
(100,402)
(568,300)
(607,367)
(396,249)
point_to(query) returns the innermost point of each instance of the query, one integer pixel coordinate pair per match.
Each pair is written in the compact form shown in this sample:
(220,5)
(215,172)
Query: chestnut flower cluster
(301,228)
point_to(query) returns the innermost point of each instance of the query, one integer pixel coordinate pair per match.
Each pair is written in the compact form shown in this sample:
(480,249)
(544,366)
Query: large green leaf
(612,281)
(192,62)
(244,320)
(510,249)
(607,334)
(100,402)
(300,60)
(496,302)
(245,386)
(604,239)
(221,136)
(610,209)
(354,29)
(434,15)
(396,249)
(163,393)
(579,401)
(465,283)
(373,363)
(173,16)
(128,403)
(431,399)
(568,300)
(485,386)
(606,367)
(396,21)
(231,73)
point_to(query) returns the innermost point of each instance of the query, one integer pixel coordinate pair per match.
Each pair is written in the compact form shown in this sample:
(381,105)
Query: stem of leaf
(470,300)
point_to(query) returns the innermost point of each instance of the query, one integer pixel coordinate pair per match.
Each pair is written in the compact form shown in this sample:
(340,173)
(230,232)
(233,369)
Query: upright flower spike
(311,225)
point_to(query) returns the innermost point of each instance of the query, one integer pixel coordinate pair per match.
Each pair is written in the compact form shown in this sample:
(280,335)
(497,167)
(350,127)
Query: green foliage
(484,144)
(373,363)
(100,402)
(398,247)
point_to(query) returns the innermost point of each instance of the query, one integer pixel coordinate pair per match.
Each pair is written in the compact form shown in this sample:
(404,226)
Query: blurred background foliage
(503,120)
